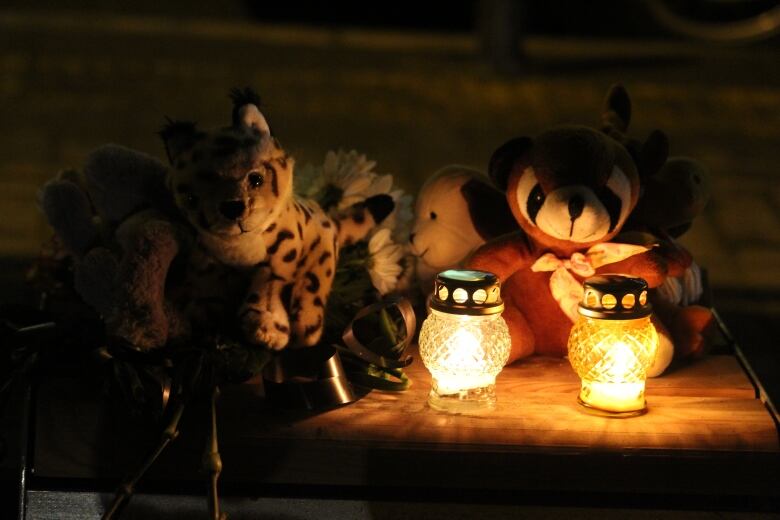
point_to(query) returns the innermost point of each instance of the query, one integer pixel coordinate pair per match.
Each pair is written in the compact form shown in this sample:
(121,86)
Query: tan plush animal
(234,185)
(457,210)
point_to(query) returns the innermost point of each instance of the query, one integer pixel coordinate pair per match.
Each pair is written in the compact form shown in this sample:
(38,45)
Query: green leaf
(238,361)
(377,378)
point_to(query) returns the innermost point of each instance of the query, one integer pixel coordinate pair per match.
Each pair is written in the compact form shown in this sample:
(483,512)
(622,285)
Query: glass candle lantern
(464,341)
(612,345)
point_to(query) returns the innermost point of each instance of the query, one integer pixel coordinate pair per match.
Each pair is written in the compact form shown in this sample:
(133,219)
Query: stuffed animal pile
(119,222)
(168,250)
(585,201)
(163,251)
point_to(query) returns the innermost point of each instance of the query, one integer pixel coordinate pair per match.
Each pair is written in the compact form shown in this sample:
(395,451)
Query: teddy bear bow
(565,288)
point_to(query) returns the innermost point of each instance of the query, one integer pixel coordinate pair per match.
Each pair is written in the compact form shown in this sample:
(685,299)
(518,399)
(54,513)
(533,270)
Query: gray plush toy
(119,223)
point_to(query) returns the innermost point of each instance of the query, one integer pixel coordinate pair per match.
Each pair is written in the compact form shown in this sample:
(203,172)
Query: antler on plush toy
(649,156)
(674,192)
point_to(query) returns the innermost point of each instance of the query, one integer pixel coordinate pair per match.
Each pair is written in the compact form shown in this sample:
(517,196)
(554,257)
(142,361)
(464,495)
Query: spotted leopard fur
(234,185)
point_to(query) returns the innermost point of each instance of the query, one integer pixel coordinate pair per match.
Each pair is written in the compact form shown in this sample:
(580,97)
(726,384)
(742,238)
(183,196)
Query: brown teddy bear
(571,190)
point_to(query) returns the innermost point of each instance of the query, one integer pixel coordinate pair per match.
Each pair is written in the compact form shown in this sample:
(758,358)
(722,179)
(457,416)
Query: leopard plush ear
(178,137)
(246,112)
(505,157)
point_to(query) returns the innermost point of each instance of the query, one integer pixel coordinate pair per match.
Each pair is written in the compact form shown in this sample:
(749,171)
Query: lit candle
(612,345)
(464,341)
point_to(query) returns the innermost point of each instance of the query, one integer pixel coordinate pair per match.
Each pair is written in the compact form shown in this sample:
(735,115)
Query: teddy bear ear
(178,137)
(505,158)
(246,112)
(488,208)
(616,115)
(653,154)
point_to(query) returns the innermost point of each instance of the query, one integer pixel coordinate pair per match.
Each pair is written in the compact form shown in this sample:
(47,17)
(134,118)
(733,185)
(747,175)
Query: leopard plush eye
(255,180)
(433,215)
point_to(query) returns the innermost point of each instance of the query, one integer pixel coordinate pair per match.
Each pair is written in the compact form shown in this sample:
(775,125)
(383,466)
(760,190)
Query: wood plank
(673,423)
(332,463)
(423,470)
(707,405)
(713,376)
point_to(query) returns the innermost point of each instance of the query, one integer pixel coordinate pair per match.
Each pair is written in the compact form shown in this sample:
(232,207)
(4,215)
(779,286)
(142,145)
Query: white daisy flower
(352,174)
(307,180)
(345,166)
(400,220)
(384,261)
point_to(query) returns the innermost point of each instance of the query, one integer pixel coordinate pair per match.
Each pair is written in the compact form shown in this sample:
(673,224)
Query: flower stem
(126,489)
(212,462)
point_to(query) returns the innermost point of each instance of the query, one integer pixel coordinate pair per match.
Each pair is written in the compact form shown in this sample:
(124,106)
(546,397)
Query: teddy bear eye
(255,180)
(433,215)
(535,202)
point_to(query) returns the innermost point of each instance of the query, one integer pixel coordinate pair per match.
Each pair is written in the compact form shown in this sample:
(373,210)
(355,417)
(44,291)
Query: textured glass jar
(612,345)
(464,341)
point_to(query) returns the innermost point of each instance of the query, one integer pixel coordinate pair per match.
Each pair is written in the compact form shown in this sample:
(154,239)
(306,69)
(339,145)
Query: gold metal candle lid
(615,297)
(471,293)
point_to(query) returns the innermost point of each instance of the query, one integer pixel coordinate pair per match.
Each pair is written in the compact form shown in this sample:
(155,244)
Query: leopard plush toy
(234,185)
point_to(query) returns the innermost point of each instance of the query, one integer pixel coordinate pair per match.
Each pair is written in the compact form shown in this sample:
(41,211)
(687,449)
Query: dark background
(415,86)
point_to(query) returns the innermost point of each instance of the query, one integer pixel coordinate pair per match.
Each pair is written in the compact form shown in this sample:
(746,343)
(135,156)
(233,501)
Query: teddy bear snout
(576,205)
(232,209)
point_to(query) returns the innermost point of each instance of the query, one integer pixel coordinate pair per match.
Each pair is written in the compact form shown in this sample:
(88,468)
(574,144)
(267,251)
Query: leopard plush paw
(266,328)
(307,329)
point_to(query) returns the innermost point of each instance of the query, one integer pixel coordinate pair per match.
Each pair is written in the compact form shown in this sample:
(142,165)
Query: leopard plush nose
(232,209)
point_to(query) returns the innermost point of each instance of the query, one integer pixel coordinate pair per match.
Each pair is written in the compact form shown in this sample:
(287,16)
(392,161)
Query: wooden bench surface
(709,405)
(705,431)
